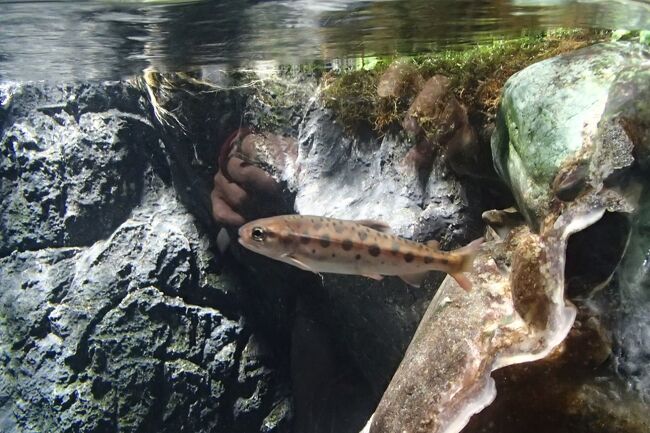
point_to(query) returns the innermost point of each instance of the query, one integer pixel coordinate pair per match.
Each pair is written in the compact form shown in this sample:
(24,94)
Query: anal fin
(414,280)
(377,277)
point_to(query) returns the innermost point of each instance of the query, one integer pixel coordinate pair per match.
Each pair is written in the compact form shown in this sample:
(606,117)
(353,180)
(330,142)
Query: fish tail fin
(462,281)
(468,253)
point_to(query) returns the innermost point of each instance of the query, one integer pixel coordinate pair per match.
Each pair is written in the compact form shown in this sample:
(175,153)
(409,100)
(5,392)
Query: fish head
(265,236)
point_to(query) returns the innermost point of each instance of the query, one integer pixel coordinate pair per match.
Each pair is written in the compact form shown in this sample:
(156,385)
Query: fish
(362,247)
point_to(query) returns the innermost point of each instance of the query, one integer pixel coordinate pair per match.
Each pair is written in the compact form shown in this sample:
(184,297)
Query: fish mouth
(240,235)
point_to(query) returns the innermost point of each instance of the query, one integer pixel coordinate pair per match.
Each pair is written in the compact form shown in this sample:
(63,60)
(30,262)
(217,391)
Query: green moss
(353,96)
(642,36)
(477,75)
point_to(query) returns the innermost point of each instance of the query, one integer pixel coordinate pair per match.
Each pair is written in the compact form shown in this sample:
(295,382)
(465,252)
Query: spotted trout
(365,247)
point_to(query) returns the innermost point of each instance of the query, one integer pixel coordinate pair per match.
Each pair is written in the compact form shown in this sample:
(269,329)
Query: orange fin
(462,281)
(468,252)
(374,276)
(375,225)
(414,280)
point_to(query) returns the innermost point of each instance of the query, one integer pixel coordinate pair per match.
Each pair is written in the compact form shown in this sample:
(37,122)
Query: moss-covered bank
(477,76)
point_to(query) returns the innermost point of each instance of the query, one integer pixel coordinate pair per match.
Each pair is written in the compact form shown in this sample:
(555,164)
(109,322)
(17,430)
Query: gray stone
(70,170)
(112,314)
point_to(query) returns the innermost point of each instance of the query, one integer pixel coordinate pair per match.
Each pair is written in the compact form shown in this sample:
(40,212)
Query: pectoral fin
(287,258)
(414,280)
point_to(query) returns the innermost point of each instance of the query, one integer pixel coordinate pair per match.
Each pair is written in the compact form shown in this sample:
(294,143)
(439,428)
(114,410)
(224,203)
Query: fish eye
(258,234)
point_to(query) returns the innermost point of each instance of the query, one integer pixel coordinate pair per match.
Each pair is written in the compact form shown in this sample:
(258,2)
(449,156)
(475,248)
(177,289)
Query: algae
(477,75)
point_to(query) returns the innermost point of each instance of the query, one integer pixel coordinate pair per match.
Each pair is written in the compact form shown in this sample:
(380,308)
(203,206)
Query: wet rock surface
(550,120)
(113,315)
(630,322)
(70,170)
(606,151)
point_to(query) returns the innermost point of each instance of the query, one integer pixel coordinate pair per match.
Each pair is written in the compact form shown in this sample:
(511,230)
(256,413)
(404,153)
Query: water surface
(112,40)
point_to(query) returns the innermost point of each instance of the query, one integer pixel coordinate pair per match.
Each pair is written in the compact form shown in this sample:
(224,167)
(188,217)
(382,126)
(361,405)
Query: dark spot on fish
(333,255)
(428,260)
(363,234)
(394,249)
(374,250)
(270,235)
(358,256)
(305,239)
(347,244)
(286,240)
(318,226)
(408,257)
(443,261)
(325,241)
(313,251)
(338,228)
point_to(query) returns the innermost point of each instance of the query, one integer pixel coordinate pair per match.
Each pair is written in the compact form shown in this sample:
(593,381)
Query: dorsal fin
(375,225)
(433,244)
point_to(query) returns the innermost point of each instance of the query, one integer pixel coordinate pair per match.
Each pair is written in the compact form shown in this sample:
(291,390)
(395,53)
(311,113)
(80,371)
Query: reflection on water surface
(110,40)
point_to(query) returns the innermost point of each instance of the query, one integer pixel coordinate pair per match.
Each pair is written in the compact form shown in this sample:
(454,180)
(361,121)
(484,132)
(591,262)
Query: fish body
(329,245)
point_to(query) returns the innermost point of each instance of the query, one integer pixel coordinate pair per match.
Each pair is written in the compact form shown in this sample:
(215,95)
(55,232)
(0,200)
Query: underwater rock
(127,327)
(124,327)
(549,120)
(630,322)
(593,132)
(627,105)
(66,180)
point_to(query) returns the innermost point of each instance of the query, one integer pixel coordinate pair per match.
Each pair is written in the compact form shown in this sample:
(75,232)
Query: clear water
(89,40)
(114,39)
